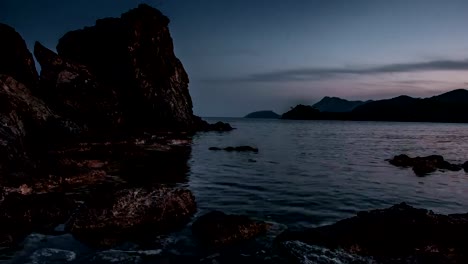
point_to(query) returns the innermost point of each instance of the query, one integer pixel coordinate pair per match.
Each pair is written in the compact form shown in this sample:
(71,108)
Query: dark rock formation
(73,92)
(400,234)
(335,104)
(23,119)
(135,56)
(15,58)
(263,114)
(218,229)
(21,214)
(237,149)
(424,165)
(132,214)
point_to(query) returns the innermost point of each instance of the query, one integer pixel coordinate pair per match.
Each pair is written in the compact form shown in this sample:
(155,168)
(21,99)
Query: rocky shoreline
(98,143)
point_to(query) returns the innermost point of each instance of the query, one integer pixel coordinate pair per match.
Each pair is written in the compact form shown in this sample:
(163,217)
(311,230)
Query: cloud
(307,74)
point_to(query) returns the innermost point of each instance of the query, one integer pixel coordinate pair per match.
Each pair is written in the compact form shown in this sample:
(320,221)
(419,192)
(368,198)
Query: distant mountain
(263,114)
(448,107)
(335,104)
(302,112)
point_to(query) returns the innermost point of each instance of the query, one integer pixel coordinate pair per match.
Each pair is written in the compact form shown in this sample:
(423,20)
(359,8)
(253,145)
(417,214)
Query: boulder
(74,92)
(134,55)
(219,229)
(132,214)
(394,235)
(424,165)
(16,60)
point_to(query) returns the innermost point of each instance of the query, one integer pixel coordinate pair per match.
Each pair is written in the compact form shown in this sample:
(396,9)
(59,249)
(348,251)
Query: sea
(306,174)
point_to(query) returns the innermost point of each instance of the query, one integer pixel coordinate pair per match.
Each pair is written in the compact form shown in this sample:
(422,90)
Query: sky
(249,55)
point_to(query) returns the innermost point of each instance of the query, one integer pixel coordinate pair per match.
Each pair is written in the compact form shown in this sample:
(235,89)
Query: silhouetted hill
(335,104)
(448,107)
(263,114)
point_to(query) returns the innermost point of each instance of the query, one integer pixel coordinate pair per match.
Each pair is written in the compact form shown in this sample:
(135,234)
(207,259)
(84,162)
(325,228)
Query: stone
(132,214)
(397,234)
(218,229)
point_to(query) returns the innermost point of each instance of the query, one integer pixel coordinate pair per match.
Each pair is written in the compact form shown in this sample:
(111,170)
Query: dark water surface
(306,174)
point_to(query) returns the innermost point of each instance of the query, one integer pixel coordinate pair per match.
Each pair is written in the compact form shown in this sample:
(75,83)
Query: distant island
(263,114)
(448,107)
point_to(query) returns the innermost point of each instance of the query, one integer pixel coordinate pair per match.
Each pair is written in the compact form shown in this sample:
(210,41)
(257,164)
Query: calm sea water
(306,174)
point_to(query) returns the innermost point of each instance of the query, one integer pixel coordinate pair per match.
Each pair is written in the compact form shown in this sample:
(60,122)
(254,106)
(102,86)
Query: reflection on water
(310,173)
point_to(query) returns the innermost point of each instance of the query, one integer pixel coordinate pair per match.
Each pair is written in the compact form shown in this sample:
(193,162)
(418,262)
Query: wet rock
(23,214)
(424,165)
(16,60)
(75,93)
(218,229)
(237,149)
(395,235)
(132,214)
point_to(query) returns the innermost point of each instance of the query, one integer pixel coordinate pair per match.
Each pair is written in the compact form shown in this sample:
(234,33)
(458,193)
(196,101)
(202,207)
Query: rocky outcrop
(424,165)
(236,149)
(134,55)
(219,229)
(74,92)
(132,214)
(399,234)
(23,119)
(16,60)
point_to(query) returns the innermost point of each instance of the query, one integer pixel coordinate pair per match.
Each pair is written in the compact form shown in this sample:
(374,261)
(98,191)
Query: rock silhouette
(424,165)
(16,60)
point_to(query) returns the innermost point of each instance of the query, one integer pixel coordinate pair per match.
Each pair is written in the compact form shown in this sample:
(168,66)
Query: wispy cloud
(306,74)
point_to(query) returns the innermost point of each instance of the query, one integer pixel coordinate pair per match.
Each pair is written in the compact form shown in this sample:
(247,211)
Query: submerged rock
(424,165)
(132,214)
(237,149)
(16,60)
(395,235)
(219,229)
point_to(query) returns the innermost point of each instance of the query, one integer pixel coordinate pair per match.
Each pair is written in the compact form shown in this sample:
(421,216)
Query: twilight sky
(249,55)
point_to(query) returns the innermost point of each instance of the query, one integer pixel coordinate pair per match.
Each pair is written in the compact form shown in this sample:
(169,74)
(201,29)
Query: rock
(75,93)
(16,60)
(465,166)
(134,55)
(219,127)
(23,214)
(238,149)
(22,117)
(424,165)
(132,214)
(218,229)
(395,235)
